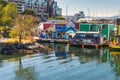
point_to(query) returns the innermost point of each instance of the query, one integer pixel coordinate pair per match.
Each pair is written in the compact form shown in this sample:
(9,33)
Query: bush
(2,28)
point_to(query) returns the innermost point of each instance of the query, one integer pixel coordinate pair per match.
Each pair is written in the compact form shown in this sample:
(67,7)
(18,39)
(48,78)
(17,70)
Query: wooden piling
(82,45)
(96,46)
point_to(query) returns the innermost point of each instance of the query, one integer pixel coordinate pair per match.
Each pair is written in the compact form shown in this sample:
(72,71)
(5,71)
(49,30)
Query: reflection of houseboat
(87,39)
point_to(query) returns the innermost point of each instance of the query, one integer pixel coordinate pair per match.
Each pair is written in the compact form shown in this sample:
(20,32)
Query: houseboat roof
(84,32)
(62,22)
(51,29)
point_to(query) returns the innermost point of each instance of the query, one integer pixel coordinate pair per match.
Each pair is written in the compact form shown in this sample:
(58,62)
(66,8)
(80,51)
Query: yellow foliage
(13,40)
(50,18)
(2,28)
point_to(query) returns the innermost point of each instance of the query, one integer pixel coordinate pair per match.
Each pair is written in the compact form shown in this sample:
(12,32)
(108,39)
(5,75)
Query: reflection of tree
(0,63)
(6,57)
(24,73)
(117,63)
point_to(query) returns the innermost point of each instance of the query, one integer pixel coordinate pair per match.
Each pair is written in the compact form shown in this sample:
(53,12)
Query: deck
(53,40)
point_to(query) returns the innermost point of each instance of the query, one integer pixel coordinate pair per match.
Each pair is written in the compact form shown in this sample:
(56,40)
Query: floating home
(61,27)
(87,38)
(105,29)
(93,34)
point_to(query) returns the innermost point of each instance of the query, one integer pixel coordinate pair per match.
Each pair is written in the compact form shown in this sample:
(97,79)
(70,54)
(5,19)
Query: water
(62,63)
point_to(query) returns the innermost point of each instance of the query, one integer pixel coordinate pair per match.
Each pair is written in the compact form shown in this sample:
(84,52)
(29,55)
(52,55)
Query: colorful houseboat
(105,29)
(87,39)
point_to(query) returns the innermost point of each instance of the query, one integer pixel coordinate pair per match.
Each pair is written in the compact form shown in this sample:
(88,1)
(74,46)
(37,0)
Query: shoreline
(24,48)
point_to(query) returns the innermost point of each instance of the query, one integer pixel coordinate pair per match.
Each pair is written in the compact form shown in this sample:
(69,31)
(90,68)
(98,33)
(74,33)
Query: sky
(96,8)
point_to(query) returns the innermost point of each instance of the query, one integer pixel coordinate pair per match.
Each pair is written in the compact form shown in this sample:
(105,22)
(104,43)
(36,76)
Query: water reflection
(8,58)
(116,56)
(63,59)
(27,73)
(101,55)
(86,55)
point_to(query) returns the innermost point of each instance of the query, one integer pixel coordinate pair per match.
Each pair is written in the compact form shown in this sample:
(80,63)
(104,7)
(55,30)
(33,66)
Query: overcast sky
(94,7)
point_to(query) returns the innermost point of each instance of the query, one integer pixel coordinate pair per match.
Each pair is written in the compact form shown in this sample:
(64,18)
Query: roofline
(89,32)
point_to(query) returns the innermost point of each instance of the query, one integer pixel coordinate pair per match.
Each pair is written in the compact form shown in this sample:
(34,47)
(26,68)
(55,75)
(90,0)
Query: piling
(82,45)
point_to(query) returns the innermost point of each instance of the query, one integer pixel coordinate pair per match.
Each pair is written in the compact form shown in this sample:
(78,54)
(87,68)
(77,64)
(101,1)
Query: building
(42,8)
(105,29)
(79,15)
(87,38)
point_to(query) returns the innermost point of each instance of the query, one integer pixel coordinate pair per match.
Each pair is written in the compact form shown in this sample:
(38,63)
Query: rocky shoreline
(28,48)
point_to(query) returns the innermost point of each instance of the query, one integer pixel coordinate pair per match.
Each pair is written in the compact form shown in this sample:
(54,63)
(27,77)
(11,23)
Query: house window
(105,27)
(59,35)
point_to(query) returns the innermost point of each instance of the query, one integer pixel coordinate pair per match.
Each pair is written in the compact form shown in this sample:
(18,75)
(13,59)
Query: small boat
(114,47)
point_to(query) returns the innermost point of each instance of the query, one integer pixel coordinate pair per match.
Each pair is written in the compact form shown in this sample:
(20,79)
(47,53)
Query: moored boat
(114,47)
(87,39)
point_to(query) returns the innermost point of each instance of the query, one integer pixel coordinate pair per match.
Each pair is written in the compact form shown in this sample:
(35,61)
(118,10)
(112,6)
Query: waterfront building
(105,29)
(61,28)
(87,38)
(70,33)
(117,31)
(46,29)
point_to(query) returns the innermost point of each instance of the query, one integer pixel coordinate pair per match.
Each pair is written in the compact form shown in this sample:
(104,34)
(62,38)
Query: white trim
(88,32)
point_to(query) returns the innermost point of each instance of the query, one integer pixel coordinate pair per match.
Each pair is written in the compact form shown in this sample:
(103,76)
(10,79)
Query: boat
(114,47)
(87,39)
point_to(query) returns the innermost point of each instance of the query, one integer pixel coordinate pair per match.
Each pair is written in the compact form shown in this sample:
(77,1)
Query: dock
(90,46)
(53,41)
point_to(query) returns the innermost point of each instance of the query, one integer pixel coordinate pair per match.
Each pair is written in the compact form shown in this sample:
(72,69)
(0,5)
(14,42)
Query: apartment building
(43,8)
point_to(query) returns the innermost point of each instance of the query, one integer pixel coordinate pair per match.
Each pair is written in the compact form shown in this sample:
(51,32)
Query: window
(105,27)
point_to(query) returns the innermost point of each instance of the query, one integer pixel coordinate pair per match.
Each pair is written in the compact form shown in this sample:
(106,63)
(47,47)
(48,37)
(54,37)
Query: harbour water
(62,62)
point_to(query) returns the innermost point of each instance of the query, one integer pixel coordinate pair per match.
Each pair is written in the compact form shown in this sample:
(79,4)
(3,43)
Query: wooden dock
(53,40)
(89,46)
(70,44)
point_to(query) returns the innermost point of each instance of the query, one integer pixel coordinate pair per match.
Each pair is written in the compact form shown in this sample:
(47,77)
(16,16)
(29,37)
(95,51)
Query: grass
(24,41)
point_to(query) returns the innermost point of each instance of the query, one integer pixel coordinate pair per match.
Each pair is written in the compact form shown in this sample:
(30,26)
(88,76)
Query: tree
(29,12)
(9,13)
(3,3)
(0,14)
(24,26)
(60,18)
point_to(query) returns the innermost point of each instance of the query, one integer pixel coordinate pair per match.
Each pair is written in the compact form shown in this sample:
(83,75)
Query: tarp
(70,24)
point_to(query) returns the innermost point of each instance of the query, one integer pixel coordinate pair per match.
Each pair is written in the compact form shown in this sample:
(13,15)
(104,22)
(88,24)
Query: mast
(66,11)
(88,12)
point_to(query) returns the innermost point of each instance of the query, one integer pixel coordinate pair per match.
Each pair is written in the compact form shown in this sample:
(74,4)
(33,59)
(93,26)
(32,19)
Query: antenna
(88,12)
(96,14)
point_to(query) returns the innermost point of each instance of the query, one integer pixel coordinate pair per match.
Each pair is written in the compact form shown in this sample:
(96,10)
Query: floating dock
(53,40)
